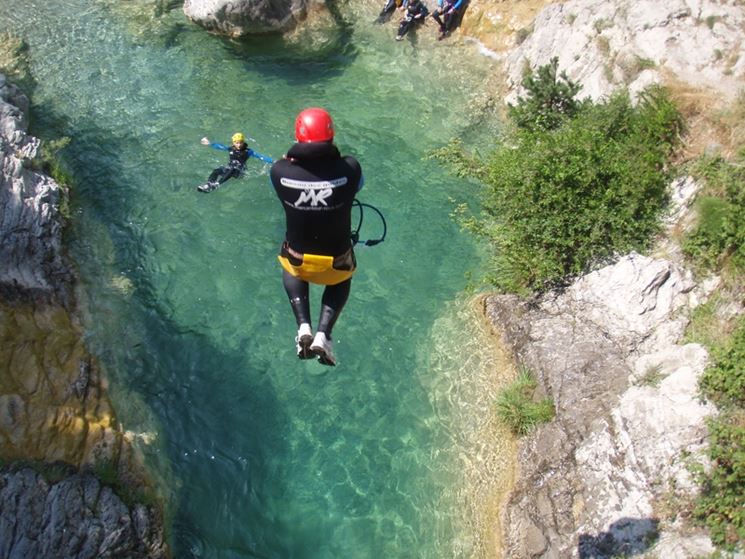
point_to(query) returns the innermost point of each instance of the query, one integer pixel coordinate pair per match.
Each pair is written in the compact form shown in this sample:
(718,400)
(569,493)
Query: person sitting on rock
(389,8)
(446,15)
(416,14)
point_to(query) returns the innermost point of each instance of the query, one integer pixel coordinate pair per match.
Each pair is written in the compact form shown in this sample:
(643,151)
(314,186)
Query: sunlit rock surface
(609,44)
(628,414)
(243,17)
(31,263)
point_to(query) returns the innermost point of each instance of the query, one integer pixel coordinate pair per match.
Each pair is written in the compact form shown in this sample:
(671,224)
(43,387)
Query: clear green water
(264,455)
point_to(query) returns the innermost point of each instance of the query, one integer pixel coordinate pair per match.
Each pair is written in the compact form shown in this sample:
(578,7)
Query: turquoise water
(264,455)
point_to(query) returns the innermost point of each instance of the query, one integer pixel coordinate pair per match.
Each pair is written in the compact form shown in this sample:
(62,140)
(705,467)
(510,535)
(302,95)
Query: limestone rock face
(627,408)
(243,17)
(74,518)
(604,44)
(31,262)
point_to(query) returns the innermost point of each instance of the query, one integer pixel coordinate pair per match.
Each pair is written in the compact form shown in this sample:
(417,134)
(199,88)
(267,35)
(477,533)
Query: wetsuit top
(416,8)
(241,155)
(449,4)
(317,186)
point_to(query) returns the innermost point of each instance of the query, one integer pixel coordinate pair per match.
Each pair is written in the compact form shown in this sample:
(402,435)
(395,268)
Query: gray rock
(604,44)
(75,518)
(605,349)
(31,255)
(242,17)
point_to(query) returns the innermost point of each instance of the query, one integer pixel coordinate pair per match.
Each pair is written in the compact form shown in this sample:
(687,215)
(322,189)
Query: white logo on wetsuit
(314,192)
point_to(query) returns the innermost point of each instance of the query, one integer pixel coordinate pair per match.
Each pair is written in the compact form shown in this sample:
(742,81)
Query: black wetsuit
(416,12)
(389,8)
(235,166)
(317,186)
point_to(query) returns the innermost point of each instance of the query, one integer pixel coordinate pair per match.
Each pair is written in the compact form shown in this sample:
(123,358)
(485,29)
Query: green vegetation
(572,183)
(721,505)
(719,238)
(724,382)
(717,245)
(517,408)
(653,376)
(551,100)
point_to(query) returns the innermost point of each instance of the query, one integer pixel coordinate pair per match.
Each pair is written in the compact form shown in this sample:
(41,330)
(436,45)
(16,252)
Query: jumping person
(416,14)
(239,153)
(316,186)
(448,9)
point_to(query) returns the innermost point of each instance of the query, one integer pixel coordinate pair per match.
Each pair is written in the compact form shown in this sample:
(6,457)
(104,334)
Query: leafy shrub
(572,182)
(550,100)
(724,381)
(720,232)
(721,505)
(561,200)
(516,407)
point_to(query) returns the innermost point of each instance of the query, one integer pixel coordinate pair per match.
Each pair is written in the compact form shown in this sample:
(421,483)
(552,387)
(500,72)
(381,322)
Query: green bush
(721,505)
(724,381)
(516,407)
(720,233)
(559,201)
(572,182)
(550,100)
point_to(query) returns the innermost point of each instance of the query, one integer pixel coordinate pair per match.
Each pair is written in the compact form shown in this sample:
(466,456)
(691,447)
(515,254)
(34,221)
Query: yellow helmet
(238,137)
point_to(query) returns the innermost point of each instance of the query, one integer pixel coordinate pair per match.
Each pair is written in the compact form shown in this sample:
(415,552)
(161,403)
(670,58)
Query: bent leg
(333,301)
(450,20)
(436,17)
(389,6)
(215,174)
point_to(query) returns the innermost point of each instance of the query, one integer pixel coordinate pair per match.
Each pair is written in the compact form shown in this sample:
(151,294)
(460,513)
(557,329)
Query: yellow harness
(316,268)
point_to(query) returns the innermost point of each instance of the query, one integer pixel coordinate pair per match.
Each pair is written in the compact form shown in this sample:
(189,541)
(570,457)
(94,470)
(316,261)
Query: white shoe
(208,186)
(323,347)
(303,340)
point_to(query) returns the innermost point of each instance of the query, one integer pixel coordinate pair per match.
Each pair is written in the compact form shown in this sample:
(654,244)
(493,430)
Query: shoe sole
(323,357)
(305,351)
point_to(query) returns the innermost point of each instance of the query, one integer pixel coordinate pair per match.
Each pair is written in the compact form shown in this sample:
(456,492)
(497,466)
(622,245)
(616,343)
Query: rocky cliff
(608,477)
(593,482)
(31,249)
(53,403)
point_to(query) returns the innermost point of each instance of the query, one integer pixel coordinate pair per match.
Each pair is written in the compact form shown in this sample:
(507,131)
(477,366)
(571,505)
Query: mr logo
(314,197)
(314,193)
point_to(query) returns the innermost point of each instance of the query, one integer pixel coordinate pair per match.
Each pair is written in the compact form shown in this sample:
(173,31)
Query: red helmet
(314,125)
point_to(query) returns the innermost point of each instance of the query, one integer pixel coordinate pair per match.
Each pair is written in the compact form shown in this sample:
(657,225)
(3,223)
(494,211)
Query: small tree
(550,100)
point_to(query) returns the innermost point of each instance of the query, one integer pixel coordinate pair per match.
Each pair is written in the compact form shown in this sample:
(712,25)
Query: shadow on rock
(625,537)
